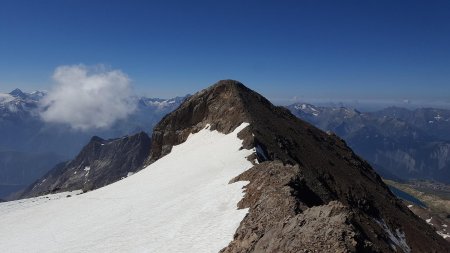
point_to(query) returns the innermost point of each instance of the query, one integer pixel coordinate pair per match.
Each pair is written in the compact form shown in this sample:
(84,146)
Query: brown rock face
(310,192)
(325,228)
(275,224)
(220,105)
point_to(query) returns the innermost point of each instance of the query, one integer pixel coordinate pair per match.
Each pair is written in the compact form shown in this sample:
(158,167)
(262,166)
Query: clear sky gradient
(364,50)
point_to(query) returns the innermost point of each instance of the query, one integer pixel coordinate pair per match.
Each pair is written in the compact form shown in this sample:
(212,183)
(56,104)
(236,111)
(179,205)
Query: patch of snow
(43,181)
(443,234)
(444,225)
(183,202)
(430,122)
(88,169)
(410,206)
(429,220)
(130,174)
(397,240)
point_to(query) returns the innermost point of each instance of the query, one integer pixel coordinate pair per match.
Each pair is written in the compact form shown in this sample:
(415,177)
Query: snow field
(181,203)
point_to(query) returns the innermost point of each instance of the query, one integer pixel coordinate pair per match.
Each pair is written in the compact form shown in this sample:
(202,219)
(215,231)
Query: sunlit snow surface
(181,203)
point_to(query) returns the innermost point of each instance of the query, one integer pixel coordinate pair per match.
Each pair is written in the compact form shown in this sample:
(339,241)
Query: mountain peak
(229,83)
(316,172)
(224,106)
(17,93)
(226,90)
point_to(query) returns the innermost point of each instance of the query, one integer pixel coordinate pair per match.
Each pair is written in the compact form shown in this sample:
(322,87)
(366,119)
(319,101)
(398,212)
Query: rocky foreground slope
(309,191)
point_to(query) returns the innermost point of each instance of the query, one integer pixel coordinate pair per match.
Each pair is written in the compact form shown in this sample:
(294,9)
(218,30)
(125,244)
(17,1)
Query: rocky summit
(308,191)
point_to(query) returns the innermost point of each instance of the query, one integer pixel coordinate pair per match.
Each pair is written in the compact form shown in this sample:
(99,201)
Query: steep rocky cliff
(100,162)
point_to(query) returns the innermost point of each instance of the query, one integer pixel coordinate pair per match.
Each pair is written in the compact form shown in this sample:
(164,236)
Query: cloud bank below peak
(88,97)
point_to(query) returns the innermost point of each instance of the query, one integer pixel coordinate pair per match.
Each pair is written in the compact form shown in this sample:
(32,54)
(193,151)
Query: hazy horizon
(360,104)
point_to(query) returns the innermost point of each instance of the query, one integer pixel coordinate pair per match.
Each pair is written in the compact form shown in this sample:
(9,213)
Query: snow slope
(181,203)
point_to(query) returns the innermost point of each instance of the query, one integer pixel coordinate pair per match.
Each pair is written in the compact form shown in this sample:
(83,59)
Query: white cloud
(88,97)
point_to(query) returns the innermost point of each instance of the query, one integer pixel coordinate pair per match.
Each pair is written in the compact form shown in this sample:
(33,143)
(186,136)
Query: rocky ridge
(309,190)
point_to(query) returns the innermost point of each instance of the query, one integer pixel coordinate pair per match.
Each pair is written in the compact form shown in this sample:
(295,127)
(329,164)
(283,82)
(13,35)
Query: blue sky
(365,50)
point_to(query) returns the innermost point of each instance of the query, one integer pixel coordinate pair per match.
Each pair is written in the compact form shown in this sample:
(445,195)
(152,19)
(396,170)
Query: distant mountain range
(30,147)
(400,143)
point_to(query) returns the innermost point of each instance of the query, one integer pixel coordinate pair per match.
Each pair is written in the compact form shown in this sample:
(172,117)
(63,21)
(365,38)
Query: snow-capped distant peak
(18,96)
(36,95)
(307,108)
(18,101)
(304,107)
(18,93)
(160,103)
